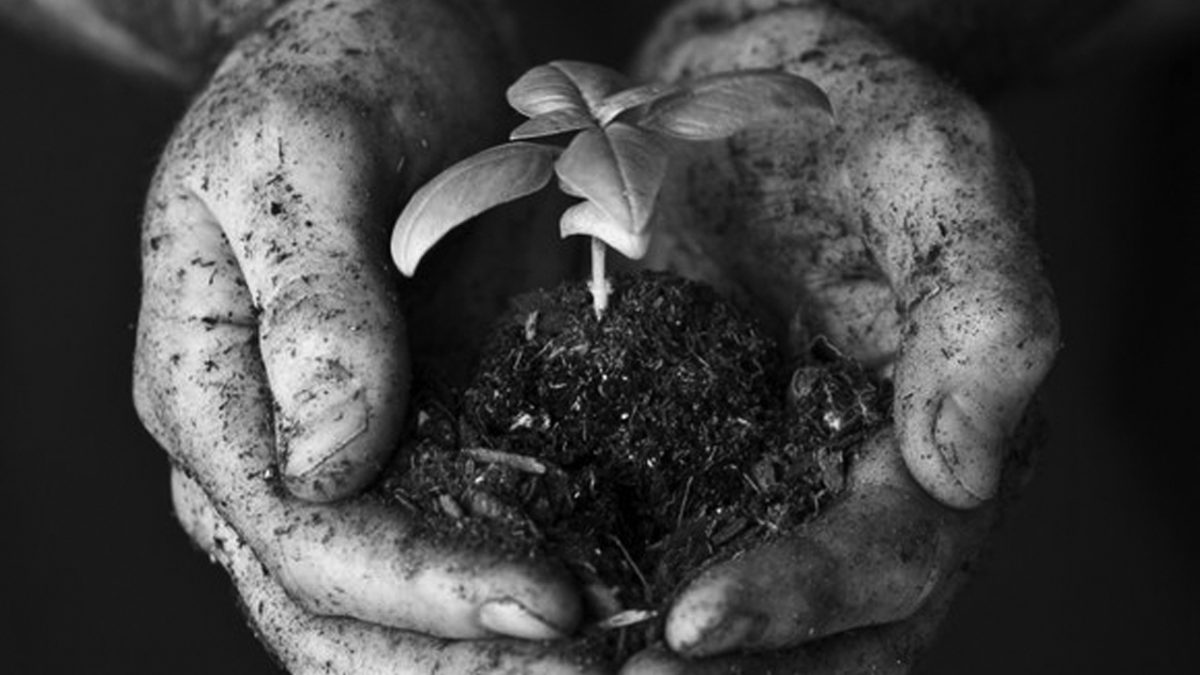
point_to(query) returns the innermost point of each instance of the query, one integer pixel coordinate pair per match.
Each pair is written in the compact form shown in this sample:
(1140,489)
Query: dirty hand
(272,358)
(901,233)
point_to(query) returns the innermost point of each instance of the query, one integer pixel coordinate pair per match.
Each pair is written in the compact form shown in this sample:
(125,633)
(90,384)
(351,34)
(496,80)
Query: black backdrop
(1091,573)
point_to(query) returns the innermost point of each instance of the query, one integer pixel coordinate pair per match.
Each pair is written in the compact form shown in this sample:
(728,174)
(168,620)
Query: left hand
(901,233)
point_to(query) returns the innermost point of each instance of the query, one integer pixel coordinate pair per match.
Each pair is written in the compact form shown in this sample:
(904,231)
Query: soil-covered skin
(637,448)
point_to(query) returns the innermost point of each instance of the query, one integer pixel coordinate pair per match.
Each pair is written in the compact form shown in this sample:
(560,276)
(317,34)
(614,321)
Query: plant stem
(599,285)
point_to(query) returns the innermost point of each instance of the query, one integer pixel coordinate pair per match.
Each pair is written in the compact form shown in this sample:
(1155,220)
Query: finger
(872,558)
(199,388)
(882,650)
(304,643)
(303,210)
(966,374)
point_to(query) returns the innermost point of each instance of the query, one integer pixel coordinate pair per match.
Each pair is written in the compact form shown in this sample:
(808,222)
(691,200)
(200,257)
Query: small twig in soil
(450,506)
(750,481)
(627,618)
(687,489)
(531,326)
(632,564)
(518,462)
(404,501)
(730,530)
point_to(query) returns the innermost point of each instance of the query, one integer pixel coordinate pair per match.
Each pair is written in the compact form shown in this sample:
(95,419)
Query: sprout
(615,161)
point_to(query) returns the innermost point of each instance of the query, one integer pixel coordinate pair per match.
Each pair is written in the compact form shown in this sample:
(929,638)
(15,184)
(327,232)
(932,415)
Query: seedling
(616,158)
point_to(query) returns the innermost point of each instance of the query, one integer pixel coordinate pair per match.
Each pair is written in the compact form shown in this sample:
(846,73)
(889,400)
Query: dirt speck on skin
(637,449)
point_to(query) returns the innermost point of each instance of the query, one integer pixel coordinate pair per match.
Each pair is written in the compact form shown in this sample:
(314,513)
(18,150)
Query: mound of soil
(637,448)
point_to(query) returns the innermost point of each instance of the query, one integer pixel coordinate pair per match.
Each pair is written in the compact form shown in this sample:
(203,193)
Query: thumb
(968,367)
(308,229)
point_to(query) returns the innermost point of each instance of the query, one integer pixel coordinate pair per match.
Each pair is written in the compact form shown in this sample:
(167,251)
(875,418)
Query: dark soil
(638,448)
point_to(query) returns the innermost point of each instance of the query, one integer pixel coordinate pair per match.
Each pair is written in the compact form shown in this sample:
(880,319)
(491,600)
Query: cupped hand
(304,642)
(901,233)
(272,357)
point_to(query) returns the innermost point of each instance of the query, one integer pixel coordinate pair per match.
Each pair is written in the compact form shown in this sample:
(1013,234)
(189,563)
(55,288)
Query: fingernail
(511,618)
(321,431)
(969,451)
(734,630)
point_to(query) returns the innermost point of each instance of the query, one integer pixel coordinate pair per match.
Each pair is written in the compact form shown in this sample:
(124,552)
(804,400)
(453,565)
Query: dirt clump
(638,448)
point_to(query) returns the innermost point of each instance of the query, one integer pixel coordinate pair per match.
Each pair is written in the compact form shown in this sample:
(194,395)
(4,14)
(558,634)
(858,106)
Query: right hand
(271,357)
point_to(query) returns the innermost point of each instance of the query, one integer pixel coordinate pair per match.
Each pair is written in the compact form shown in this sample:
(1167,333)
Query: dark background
(1092,573)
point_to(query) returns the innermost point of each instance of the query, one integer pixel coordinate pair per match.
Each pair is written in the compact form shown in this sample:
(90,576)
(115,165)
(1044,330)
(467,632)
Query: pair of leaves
(617,160)
(617,170)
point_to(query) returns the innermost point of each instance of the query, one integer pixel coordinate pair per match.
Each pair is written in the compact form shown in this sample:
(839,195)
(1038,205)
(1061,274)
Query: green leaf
(620,170)
(463,191)
(563,85)
(718,106)
(551,123)
(587,218)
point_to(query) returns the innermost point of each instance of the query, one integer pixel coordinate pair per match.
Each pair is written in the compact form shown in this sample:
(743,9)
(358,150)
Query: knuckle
(316,308)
